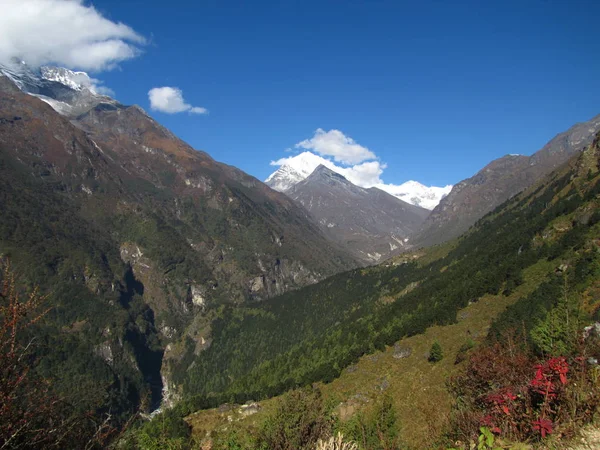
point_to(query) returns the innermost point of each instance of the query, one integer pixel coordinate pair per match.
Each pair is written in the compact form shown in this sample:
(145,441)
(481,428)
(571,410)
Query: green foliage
(77,262)
(558,333)
(435,353)
(167,430)
(486,440)
(376,431)
(300,419)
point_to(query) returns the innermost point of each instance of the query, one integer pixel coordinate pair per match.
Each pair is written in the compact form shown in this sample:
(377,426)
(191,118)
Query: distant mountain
(295,170)
(501,179)
(301,166)
(417,194)
(369,222)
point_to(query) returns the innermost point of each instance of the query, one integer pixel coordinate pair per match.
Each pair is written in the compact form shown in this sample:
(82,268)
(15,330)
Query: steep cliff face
(503,178)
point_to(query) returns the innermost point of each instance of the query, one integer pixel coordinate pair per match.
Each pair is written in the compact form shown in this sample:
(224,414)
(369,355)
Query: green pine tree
(435,353)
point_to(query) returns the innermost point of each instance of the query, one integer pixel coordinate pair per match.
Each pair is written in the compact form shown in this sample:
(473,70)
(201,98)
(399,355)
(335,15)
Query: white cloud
(170,100)
(66,33)
(198,110)
(98,86)
(94,84)
(366,174)
(336,144)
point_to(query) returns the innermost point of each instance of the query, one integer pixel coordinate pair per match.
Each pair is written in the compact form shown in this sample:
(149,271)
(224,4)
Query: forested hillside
(312,334)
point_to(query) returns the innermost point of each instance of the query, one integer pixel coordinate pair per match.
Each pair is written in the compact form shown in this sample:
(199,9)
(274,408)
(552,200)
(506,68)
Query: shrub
(378,430)
(461,355)
(336,443)
(506,389)
(167,430)
(300,420)
(435,353)
(557,334)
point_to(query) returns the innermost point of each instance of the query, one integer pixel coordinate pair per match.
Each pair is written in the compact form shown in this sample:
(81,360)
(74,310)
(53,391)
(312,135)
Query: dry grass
(336,443)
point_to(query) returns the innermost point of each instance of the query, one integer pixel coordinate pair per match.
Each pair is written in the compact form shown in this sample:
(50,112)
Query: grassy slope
(416,385)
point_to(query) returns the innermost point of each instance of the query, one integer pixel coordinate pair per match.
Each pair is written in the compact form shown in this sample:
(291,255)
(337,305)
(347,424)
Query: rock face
(503,178)
(371,223)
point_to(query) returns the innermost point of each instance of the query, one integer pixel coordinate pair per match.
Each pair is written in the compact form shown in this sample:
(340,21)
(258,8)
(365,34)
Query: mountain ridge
(499,180)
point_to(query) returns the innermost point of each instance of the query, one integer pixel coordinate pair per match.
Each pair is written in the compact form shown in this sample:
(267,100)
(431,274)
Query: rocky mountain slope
(499,180)
(299,167)
(138,236)
(371,223)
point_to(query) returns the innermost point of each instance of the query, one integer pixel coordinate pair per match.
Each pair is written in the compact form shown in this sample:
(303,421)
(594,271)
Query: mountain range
(138,236)
(299,167)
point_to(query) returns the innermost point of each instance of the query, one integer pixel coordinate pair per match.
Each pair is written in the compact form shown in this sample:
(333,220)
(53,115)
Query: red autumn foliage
(543,426)
(549,376)
(506,389)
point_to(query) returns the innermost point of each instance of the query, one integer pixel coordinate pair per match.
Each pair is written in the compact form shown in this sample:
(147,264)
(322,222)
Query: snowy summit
(299,167)
(68,92)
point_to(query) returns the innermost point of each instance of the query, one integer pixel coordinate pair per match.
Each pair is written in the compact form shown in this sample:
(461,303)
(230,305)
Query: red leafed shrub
(543,426)
(550,376)
(506,389)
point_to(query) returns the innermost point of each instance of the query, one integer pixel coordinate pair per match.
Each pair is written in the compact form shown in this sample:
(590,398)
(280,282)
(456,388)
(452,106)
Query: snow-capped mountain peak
(75,80)
(417,194)
(297,168)
(70,93)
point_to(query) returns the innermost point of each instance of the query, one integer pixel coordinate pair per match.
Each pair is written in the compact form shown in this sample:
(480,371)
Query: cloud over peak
(64,32)
(335,144)
(366,174)
(170,100)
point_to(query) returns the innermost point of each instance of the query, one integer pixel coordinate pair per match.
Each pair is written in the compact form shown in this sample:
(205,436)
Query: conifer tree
(435,353)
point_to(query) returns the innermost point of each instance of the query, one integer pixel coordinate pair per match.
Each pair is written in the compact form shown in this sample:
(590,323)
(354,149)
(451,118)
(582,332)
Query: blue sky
(436,89)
